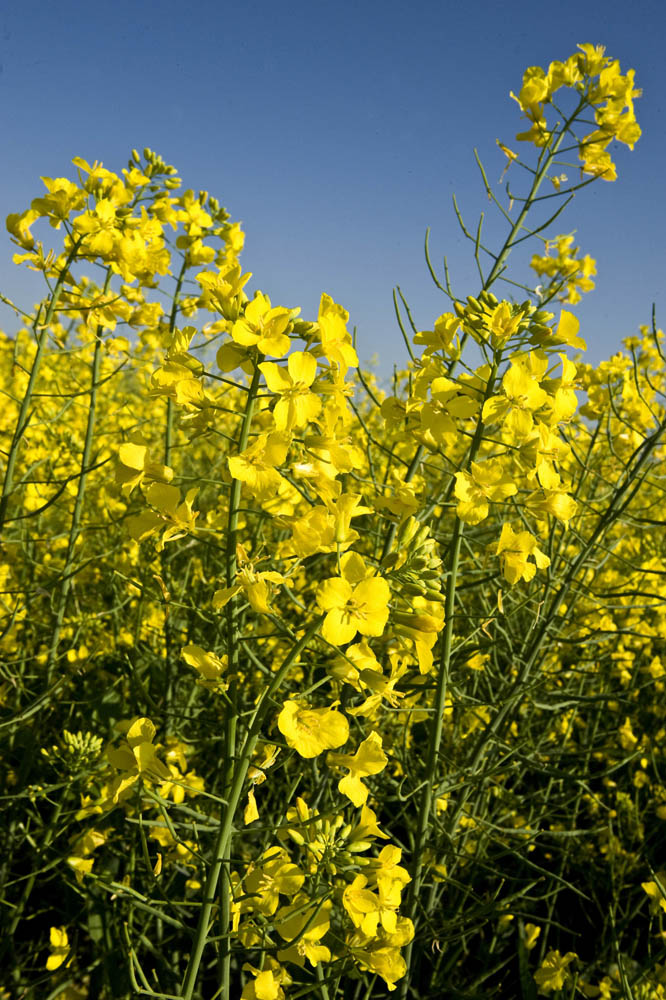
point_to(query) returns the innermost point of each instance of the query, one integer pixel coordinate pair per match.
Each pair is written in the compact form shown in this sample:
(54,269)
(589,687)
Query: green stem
(24,414)
(220,855)
(436,729)
(509,242)
(74,530)
(168,445)
(49,834)
(231,717)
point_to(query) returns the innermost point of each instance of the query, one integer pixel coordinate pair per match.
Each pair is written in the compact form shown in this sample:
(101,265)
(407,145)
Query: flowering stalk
(221,850)
(24,411)
(67,574)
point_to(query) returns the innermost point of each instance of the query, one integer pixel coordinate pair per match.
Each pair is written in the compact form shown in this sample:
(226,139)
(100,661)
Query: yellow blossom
(310,731)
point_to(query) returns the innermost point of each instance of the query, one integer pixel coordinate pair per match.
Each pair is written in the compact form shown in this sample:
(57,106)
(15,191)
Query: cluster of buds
(76,751)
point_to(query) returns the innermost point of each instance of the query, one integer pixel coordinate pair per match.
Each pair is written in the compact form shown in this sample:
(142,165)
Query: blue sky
(337,132)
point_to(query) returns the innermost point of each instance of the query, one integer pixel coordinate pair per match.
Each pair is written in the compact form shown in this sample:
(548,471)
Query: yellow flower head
(353,602)
(310,731)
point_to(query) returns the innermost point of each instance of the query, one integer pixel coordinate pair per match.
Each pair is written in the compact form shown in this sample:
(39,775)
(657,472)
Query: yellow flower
(135,465)
(353,606)
(223,290)
(137,756)
(553,973)
(378,958)
(251,812)
(532,932)
(310,731)
(368,759)
(264,326)
(297,406)
(267,984)
(304,927)
(256,466)
(486,481)
(335,340)
(522,395)
(515,549)
(534,91)
(656,890)
(173,514)
(208,665)
(344,509)
(59,945)
(362,905)
(273,874)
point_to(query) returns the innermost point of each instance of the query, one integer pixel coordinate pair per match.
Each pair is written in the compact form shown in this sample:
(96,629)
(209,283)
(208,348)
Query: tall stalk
(40,329)
(67,574)
(436,726)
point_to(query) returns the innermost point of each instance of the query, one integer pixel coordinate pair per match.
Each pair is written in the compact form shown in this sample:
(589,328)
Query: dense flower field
(310,688)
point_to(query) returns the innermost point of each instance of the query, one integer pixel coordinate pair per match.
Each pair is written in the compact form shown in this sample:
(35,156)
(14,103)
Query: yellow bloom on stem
(222,290)
(264,326)
(535,89)
(268,982)
(656,890)
(137,756)
(273,874)
(135,465)
(515,549)
(100,227)
(335,340)
(344,509)
(209,665)
(59,945)
(353,606)
(378,958)
(362,905)
(368,759)
(297,406)
(554,972)
(522,395)
(18,226)
(557,503)
(63,197)
(251,812)
(486,481)
(305,928)
(310,731)
(171,513)
(256,466)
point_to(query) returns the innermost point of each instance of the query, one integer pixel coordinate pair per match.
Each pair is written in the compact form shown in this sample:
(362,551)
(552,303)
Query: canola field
(312,686)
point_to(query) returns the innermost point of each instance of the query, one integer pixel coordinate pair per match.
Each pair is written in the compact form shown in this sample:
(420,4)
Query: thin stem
(220,854)
(24,412)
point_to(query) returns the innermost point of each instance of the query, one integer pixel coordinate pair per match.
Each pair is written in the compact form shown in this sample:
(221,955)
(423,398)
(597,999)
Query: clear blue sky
(336,132)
